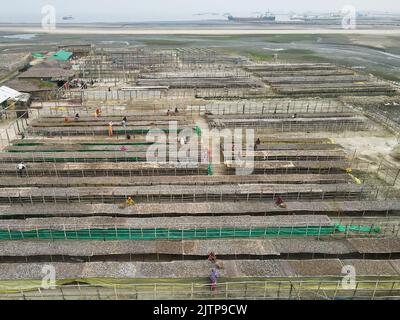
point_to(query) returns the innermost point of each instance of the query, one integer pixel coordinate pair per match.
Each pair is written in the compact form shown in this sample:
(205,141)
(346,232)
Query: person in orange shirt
(110,129)
(98,113)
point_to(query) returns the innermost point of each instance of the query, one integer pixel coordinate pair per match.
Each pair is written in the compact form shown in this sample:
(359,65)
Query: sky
(170,10)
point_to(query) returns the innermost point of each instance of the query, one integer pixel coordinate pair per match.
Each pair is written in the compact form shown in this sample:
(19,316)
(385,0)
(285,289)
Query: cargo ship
(70,17)
(267,17)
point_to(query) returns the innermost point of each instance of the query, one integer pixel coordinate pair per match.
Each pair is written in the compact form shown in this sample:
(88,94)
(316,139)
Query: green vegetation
(364,51)
(259,54)
(43,84)
(292,55)
(164,42)
(310,38)
(385,75)
(286,55)
(394,45)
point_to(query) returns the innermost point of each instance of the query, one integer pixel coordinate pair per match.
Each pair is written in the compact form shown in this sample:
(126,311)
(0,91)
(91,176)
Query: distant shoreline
(192,30)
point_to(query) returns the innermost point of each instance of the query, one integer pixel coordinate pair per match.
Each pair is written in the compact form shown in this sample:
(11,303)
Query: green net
(210,170)
(198,131)
(174,234)
(38,55)
(345,229)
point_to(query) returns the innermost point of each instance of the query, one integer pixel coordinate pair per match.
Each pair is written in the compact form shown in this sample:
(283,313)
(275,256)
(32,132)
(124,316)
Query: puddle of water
(21,36)
(115,42)
(274,49)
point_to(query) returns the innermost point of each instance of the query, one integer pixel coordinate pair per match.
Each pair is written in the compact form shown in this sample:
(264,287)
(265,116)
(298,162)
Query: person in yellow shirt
(130,201)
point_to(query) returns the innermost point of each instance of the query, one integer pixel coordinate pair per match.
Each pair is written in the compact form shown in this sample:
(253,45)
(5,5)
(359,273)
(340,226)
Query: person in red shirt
(280,202)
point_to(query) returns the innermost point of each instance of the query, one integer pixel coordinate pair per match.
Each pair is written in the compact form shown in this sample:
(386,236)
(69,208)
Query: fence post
(338,283)
(397,176)
(116,292)
(376,287)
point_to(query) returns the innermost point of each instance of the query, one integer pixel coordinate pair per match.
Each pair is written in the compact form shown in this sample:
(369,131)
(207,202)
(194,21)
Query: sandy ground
(193,31)
(369,148)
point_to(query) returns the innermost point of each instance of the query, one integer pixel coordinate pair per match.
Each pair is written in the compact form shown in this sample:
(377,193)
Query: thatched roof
(172,223)
(371,267)
(201,208)
(170,180)
(47,73)
(323,267)
(30,86)
(195,269)
(387,245)
(93,248)
(312,246)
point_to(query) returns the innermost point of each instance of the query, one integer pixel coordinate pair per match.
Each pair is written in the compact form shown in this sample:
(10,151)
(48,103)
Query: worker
(66,120)
(212,257)
(176,110)
(233,154)
(98,113)
(280,202)
(258,142)
(110,129)
(21,169)
(168,112)
(182,141)
(130,201)
(214,278)
(77,117)
(295,116)
(128,137)
(124,121)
